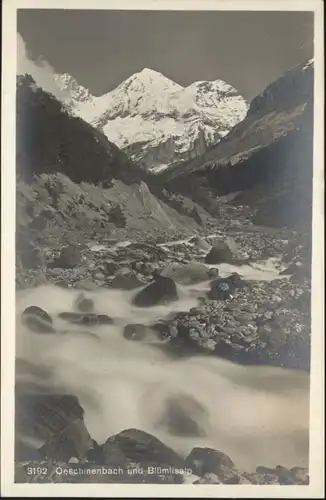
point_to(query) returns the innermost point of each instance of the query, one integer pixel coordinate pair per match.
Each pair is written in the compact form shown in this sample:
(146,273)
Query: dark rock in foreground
(205,460)
(162,291)
(138,446)
(38,311)
(57,420)
(37,320)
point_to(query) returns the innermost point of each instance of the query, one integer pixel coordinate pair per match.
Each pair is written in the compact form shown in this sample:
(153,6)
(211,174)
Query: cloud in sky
(41,71)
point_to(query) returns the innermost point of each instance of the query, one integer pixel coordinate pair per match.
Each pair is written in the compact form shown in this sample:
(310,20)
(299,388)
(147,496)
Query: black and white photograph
(163,250)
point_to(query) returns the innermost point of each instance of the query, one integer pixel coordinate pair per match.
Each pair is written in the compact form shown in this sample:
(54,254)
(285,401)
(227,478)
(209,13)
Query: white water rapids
(258,415)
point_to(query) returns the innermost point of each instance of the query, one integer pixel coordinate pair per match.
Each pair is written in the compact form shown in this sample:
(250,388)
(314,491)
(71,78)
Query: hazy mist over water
(256,414)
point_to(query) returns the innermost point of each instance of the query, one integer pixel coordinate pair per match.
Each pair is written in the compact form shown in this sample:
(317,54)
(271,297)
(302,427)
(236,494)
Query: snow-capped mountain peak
(157,121)
(148,77)
(143,93)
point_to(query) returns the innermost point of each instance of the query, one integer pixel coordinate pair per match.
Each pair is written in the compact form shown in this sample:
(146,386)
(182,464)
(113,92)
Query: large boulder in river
(161,291)
(37,320)
(214,467)
(140,447)
(220,253)
(207,460)
(73,441)
(187,274)
(55,420)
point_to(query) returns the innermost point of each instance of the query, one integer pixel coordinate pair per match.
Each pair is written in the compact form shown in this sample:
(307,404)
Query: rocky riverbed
(133,456)
(244,298)
(263,316)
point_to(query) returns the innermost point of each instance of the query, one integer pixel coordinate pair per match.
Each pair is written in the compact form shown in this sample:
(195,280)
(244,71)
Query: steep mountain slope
(268,155)
(157,121)
(73,184)
(50,140)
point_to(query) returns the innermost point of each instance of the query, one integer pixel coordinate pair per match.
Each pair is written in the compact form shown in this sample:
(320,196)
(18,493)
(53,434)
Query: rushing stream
(258,415)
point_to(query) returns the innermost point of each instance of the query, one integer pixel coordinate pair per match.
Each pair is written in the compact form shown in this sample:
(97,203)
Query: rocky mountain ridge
(267,156)
(74,91)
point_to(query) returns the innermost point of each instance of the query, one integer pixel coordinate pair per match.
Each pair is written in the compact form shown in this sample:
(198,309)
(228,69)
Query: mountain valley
(163,279)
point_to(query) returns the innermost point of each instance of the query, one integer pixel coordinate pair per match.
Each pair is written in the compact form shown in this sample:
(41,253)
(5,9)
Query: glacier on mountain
(156,121)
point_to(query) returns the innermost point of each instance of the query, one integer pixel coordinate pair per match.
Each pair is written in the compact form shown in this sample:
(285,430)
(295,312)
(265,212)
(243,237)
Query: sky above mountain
(102,48)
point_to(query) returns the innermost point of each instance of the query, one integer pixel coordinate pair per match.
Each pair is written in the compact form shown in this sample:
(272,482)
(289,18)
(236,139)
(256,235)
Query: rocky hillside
(74,185)
(156,121)
(267,157)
